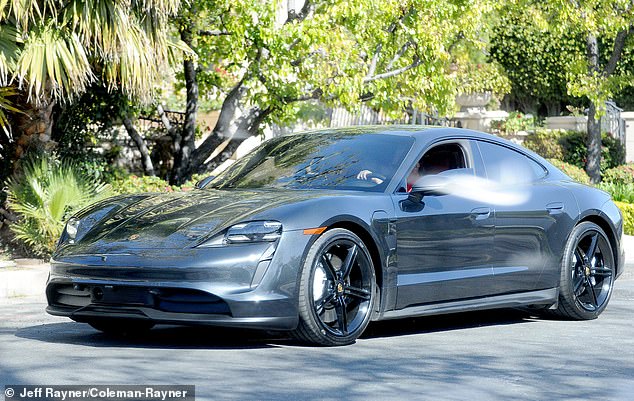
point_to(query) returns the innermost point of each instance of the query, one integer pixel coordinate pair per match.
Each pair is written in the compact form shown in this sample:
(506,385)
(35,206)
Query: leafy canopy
(393,54)
(54,49)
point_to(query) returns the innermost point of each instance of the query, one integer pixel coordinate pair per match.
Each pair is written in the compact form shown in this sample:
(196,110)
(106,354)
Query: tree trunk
(31,130)
(146,160)
(593,159)
(182,170)
(248,125)
(226,127)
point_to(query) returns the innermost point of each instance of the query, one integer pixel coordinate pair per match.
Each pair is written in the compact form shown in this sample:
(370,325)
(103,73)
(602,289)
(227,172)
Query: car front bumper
(251,285)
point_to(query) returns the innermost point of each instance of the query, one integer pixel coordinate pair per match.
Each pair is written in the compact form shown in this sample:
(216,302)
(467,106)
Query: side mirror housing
(204,182)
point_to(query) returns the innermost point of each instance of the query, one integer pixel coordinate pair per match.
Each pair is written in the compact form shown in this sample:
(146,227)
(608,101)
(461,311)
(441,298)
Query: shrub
(620,175)
(546,143)
(44,194)
(628,216)
(571,147)
(572,171)
(134,184)
(619,191)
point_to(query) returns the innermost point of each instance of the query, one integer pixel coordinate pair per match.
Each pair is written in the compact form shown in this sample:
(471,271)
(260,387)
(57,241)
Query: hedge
(628,216)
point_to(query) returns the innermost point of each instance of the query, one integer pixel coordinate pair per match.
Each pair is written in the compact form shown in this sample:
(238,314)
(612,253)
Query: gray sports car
(319,233)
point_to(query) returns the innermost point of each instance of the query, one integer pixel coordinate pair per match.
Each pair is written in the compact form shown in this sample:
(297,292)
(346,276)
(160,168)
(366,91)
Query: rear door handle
(481,213)
(555,207)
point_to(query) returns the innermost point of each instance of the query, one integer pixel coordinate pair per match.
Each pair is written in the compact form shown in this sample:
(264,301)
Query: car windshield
(319,161)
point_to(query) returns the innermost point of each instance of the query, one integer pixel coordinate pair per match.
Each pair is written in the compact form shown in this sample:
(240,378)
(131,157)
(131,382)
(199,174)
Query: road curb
(23,279)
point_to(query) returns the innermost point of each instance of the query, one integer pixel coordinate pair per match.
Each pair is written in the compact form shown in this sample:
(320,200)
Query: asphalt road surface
(498,355)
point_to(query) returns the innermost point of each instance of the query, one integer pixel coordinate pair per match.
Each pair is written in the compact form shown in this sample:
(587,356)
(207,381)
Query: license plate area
(121,295)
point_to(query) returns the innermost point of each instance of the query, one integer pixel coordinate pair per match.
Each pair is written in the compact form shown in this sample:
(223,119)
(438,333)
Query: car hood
(171,220)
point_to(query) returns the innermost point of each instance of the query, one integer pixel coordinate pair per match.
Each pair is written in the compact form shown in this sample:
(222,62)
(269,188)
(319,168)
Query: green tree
(53,51)
(262,62)
(535,59)
(601,23)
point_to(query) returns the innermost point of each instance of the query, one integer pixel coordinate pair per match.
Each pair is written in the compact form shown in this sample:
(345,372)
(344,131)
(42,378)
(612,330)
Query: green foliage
(619,191)
(393,54)
(135,184)
(55,50)
(571,147)
(546,143)
(572,171)
(627,209)
(623,174)
(477,78)
(534,57)
(44,195)
(515,123)
(81,127)
(603,20)
(6,107)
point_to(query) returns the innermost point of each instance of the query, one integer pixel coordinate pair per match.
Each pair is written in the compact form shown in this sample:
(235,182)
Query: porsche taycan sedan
(319,233)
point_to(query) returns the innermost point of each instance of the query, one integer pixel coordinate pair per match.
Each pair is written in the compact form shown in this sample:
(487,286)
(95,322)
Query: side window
(507,166)
(448,156)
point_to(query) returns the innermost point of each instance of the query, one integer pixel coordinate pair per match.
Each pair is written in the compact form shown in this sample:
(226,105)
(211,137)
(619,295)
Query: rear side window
(507,166)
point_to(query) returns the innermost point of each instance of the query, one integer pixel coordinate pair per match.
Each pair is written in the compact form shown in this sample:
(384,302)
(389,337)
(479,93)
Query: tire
(337,290)
(121,327)
(587,273)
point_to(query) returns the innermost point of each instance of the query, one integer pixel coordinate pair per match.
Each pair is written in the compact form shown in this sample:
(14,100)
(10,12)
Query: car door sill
(540,297)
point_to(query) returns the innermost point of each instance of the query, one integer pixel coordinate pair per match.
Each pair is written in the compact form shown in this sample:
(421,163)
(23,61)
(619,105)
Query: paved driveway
(477,356)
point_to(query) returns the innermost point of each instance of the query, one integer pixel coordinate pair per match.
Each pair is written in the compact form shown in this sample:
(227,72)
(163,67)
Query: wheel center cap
(588,271)
(339,288)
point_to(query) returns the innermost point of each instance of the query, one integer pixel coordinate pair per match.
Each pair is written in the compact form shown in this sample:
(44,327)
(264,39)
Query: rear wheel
(337,290)
(587,273)
(121,327)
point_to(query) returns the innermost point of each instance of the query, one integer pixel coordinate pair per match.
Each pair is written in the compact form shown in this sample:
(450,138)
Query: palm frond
(136,70)
(7,105)
(101,24)
(53,61)
(45,195)
(9,40)
(162,7)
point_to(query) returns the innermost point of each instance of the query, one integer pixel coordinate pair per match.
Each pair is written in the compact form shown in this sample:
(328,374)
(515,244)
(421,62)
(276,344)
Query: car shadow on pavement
(201,337)
(166,337)
(449,322)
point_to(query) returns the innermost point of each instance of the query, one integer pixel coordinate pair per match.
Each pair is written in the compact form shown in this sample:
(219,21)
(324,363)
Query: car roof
(416,131)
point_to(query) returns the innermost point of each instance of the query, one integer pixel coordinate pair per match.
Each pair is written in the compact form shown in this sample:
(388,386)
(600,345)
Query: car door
(531,211)
(445,242)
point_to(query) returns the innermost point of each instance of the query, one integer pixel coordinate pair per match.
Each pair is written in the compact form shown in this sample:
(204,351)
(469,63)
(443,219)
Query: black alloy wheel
(587,274)
(337,290)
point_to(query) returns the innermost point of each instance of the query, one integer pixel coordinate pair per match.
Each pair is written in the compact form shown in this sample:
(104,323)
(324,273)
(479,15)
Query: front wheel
(587,273)
(337,290)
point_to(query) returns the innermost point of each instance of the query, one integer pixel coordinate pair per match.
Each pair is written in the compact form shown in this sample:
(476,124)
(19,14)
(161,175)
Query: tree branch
(216,32)
(415,63)
(306,10)
(375,59)
(398,54)
(619,44)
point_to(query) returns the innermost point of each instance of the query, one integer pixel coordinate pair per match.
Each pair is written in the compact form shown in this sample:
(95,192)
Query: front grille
(176,300)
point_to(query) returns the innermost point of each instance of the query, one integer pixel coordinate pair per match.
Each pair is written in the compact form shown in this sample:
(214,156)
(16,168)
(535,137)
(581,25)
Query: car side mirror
(204,182)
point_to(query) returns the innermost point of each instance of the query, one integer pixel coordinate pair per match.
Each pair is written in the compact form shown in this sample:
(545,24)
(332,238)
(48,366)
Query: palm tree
(51,51)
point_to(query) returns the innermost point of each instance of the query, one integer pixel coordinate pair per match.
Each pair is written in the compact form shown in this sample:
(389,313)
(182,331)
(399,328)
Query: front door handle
(555,207)
(481,213)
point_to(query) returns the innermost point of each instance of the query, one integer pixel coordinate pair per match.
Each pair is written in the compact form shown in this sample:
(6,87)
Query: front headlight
(71,228)
(253,231)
